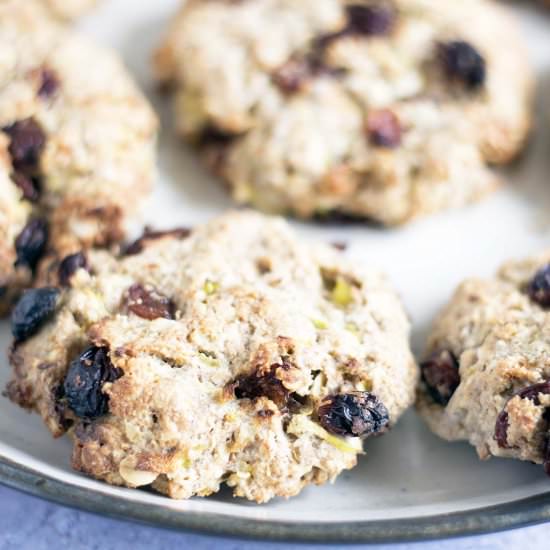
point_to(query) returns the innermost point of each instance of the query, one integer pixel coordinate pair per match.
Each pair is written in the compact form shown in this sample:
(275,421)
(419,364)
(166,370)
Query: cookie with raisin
(380,110)
(233,354)
(76,144)
(486,376)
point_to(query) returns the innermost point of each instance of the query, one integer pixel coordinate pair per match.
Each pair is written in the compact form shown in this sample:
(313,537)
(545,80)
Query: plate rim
(482,520)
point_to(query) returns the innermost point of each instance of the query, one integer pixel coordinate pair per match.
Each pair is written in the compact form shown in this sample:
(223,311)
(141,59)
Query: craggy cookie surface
(487,378)
(76,143)
(235,354)
(384,110)
(68,9)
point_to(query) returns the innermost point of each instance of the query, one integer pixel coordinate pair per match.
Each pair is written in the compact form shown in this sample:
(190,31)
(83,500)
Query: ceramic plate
(410,484)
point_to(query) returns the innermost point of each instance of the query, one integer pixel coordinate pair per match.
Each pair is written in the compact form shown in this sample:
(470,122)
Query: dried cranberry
(150,235)
(384,129)
(70,265)
(530,392)
(539,287)
(148,303)
(441,376)
(462,62)
(27,141)
(31,243)
(83,385)
(49,83)
(356,414)
(33,309)
(264,383)
(29,185)
(370,20)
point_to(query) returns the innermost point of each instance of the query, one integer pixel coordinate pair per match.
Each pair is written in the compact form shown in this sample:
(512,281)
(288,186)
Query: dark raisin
(148,303)
(539,287)
(383,128)
(70,265)
(27,141)
(83,386)
(29,185)
(33,309)
(441,376)
(370,20)
(49,83)
(462,62)
(31,243)
(150,235)
(501,430)
(264,383)
(339,245)
(357,414)
(530,392)
(293,75)
(297,72)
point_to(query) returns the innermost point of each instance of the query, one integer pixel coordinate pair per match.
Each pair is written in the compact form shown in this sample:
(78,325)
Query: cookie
(76,144)
(379,110)
(69,9)
(236,354)
(486,378)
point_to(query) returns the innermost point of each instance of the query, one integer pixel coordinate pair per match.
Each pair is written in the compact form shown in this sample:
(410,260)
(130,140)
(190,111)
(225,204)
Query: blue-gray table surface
(28,523)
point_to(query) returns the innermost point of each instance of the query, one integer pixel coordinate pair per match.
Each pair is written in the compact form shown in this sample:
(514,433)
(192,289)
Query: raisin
(33,309)
(264,383)
(370,20)
(441,376)
(29,185)
(384,129)
(69,265)
(462,62)
(530,392)
(340,245)
(501,429)
(83,385)
(148,303)
(27,141)
(356,414)
(49,83)
(150,235)
(293,75)
(539,287)
(31,243)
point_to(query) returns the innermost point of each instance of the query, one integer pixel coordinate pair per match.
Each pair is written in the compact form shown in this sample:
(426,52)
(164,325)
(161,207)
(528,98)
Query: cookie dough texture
(501,339)
(281,95)
(69,9)
(82,132)
(249,299)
